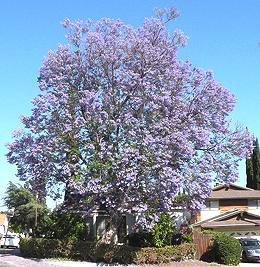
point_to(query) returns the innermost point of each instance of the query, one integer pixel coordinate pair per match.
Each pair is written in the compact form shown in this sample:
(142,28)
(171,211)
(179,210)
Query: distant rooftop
(232,191)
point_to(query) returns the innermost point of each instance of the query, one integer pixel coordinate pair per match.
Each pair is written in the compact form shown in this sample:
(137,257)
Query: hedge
(140,239)
(228,249)
(90,251)
(45,248)
(225,250)
(152,255)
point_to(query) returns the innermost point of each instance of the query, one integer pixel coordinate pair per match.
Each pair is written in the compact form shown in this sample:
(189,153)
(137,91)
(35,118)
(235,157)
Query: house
(3,223)
(97,222)
(232,209)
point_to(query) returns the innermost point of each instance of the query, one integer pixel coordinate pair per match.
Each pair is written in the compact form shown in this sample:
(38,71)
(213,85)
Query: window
(207,203)
(254,203)
(233,203)
(250,243)
(211,205)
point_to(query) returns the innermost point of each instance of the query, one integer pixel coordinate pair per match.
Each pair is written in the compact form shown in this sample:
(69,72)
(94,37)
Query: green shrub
(67,226)
(114,253)
(209,232)
(165,254)
(227,249)
(45,248)
(162,231)
(81,250)
(140,239)
(186,238)
(91,251)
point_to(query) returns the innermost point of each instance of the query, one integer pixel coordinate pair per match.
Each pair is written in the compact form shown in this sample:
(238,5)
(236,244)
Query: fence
(204,244)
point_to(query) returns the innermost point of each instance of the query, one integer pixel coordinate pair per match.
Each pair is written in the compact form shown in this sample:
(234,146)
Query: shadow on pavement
(9,251)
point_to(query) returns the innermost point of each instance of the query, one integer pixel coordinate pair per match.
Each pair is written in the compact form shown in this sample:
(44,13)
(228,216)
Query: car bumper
(253,257)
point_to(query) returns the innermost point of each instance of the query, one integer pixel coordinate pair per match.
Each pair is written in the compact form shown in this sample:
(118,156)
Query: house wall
(206,214)
(211,210)
(216,207)
(229,204)
(3,223)
(254,206)
(2,229)
(179,217)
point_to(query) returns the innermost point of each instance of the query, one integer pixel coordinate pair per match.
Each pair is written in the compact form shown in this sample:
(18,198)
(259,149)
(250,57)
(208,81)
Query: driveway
(11,258)
(251,264)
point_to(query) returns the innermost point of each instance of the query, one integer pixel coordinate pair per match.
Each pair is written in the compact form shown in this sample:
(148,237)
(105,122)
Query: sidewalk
(190,263)
(16,261)
(63,263)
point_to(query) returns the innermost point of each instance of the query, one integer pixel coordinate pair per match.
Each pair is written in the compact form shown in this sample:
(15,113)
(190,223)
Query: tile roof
(219,216)
(244,218)
(229,224)
(233,191)
(234,194)
(220,186)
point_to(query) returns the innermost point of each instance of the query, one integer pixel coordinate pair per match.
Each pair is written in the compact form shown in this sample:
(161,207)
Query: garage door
(245,234)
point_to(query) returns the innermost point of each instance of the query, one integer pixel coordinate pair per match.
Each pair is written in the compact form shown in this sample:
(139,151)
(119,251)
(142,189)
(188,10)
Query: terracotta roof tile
(234,194)
(229,223)
(240,218)
(233,191)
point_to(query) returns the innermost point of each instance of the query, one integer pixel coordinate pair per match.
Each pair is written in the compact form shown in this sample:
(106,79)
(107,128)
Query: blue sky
(223,37)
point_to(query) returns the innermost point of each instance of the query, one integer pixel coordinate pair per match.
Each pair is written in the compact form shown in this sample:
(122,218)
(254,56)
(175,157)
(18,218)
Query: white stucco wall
(213,209)
(4,224)
(206,214)
(2,229)
(210,211)
(254,206)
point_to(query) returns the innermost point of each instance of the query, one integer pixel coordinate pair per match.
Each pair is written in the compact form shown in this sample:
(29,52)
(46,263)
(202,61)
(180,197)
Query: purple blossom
(122,122)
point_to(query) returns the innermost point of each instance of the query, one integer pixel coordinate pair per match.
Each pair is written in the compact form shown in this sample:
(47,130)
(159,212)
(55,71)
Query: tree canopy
(253,167)
(29,213)
(122,122)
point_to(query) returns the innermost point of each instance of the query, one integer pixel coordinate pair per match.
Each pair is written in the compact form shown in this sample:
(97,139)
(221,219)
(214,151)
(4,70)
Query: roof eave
(226,197)
(228,225)
(231,184)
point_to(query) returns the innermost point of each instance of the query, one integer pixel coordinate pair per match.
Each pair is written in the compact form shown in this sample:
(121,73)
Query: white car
(10,241)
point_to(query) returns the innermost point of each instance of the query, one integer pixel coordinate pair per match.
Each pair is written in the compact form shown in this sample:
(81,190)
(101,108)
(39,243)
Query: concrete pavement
(249,264)
(12,258)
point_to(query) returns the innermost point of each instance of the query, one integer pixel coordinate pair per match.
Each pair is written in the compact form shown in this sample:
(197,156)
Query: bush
(165,254)
(186,238)
(83,250)
(109,253)
(67,226)
(209,232)
(148,255)
(162,231)
(140,239)
(45,248)
(228,249)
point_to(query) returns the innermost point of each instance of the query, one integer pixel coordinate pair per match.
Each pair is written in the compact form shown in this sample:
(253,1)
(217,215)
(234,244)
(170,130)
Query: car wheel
(244,258)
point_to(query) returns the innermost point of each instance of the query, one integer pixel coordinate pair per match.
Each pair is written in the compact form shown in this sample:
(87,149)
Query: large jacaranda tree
(125,124)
